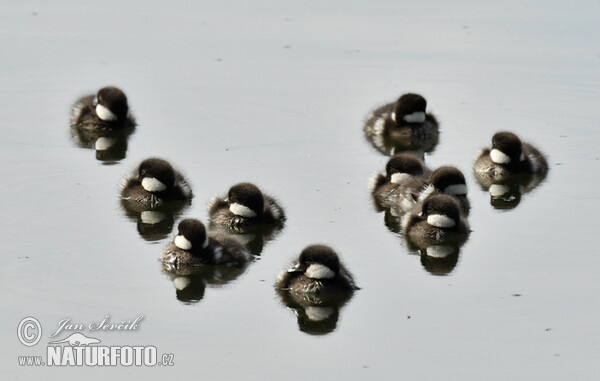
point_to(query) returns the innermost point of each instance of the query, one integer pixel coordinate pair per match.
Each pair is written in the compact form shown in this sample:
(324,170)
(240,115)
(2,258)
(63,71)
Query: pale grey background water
(275,93)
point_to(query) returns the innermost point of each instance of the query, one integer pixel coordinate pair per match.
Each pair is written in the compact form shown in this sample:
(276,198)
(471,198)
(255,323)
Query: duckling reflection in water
(316,314)
(190,282)
(154,223)
(110,145)
(402,126)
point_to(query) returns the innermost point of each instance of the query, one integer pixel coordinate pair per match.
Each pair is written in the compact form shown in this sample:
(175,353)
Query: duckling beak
(295,269)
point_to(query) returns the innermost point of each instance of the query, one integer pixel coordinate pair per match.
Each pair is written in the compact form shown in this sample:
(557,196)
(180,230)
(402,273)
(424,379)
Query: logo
(77,339)
(25,334)
(78,349)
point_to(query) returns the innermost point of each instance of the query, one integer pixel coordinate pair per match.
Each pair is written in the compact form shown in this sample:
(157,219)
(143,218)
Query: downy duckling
(319,271)
(444,180)
(508,157)
(108,109)
(155,182)
(405,120)
(439,220)
(194,246)
(245,207)
(398,170)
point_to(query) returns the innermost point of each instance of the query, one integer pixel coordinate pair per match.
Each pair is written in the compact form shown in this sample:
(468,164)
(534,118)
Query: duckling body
(318,271)
(245,207)
(404,121)
(194,246)
(108,109)
(400,169)
(155,182)
(439,220)
(509,156)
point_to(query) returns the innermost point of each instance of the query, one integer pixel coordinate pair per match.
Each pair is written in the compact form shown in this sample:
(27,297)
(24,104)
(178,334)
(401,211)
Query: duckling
(155,182)
(194,246)
(439,220)
(108,109)
(318,270)
(444,180)
(245,207)
(399,169)
(405,120)
(508,157)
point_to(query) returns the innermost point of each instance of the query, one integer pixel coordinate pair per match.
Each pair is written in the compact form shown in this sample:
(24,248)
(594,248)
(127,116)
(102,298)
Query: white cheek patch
(439,251)
(241,210)
(399,178)
(182,243)
(415,117)
(153,185)
(497,190)
(441,221)
(105,114)
(318,313)
(499,157)
(181,282)
(456,190)
(318,271)
(151,217)
(393,115)
(104,143)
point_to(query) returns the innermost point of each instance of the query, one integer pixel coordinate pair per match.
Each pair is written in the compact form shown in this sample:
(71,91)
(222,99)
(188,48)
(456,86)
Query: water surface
(276,93)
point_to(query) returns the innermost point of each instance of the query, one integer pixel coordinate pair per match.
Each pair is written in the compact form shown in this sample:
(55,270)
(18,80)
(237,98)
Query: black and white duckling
(439,220)
(398,170)
(108,109)
(319,271)
(405,119)
(155,182)
(245,207)
(194,246)
(509,156)
(444,180)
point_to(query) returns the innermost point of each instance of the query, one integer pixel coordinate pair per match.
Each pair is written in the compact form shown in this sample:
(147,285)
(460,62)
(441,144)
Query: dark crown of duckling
(191,236)
(246,200)
(401,166)
(449,180)
(410,108)
(111,104)
(318,262)
(506,149)
(441,211)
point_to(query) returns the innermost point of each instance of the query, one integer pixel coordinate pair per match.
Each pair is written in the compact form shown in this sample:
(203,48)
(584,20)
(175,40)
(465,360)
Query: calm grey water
(276,93)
